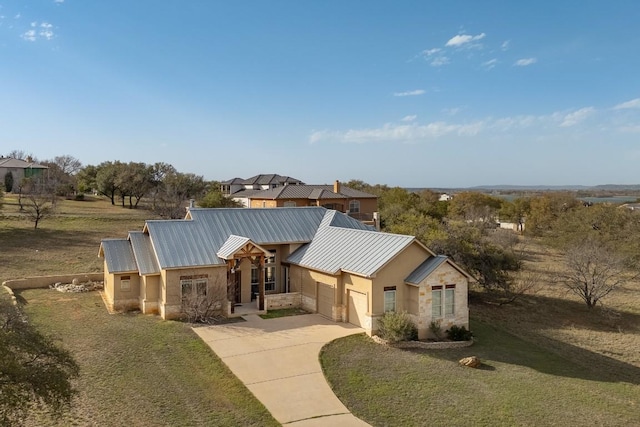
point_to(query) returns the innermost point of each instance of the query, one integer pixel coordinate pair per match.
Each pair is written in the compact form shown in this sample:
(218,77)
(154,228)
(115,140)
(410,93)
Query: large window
(443,301)
(290,204)
(354,206)
(269,274)
(193,286)
(389,298)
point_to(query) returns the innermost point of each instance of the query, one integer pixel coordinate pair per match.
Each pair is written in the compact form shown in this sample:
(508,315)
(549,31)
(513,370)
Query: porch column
(261,283)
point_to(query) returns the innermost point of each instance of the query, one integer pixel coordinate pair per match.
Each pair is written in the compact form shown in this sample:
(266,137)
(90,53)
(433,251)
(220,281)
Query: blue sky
(407,93)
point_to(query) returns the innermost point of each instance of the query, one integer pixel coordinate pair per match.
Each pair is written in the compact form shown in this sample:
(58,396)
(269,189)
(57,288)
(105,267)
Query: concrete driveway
(277,359)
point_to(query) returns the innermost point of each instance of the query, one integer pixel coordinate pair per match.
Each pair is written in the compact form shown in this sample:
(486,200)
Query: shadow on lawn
(20,238)
(558,358)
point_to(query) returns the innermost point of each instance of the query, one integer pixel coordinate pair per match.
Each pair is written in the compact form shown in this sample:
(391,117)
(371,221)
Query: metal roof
(143,253)
(118,255)
(425,269)
(231,246)
(361,252)
(195,242)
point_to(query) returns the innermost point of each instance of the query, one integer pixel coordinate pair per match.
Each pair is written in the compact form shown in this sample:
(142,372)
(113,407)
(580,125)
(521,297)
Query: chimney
(336,187)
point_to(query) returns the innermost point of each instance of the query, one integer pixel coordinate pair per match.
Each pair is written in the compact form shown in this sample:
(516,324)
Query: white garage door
(325,299)
(357,308)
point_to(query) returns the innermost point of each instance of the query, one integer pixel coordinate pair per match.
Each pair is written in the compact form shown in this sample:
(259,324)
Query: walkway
(277,359)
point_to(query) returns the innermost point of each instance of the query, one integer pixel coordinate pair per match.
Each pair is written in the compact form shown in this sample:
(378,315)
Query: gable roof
(362,252)
(118,255)
(10,162)
(429,266)
(263,179)
(314,192)
(332,241)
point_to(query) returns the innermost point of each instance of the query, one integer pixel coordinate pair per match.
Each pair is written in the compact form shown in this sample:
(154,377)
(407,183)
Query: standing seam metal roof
(143,253)
(118,255)
(425,269)
(362,252)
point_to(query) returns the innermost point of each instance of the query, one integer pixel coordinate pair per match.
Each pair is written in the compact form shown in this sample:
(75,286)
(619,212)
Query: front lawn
(139,370)
(519,384)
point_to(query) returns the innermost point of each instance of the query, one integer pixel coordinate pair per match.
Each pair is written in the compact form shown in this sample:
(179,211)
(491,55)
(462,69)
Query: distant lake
(614,200)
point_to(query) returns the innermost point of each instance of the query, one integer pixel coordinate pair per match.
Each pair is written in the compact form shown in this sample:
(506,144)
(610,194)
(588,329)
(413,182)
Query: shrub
(459,333)
(395,327)
(436,328)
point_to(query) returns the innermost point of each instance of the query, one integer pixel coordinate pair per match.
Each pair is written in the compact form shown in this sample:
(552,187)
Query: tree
(62,173)
(474,207)
(215,199)
(8,181)
(106,179)
(134,180)
(34,372)
(545,210)
(592,271)
(174,190)
(37,199)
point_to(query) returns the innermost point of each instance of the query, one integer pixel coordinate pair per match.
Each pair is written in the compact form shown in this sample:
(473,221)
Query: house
(310,257)
(444,197)
(357,204)
(238,189)
(19,169)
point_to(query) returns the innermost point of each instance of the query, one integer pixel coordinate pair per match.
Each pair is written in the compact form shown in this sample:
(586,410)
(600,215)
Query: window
(290,204)
(449,300)
(201,287)
(269,274)
(125,283)
(389,298)
(443,303)
(187,289)
(354,206)
(436,301)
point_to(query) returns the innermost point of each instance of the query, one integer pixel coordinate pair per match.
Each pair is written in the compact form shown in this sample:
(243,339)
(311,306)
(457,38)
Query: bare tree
(37,199)
(593,270)
(204,304)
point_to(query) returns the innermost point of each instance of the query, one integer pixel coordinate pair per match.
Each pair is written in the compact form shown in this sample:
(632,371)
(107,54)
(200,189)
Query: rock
(75,281)
(472,362)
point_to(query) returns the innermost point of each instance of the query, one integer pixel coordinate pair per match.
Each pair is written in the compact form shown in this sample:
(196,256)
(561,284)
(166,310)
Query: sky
(404,93)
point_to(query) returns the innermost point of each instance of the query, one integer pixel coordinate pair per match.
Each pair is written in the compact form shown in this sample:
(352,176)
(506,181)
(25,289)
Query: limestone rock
(472,362)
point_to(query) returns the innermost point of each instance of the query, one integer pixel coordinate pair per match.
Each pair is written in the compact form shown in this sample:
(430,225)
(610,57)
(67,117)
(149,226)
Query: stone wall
(290,300)
(46,281)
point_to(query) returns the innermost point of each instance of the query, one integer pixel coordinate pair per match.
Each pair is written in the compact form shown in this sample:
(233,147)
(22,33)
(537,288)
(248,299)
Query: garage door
(357,308)
(325,299)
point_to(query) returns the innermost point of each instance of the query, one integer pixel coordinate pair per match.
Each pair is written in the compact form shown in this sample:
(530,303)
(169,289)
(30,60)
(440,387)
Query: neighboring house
(357,204)
(238,189)
(444,197)
(318,259)
(20,169)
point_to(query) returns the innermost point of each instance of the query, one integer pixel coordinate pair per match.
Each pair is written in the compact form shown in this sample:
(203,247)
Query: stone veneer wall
(290,300)
(45,281)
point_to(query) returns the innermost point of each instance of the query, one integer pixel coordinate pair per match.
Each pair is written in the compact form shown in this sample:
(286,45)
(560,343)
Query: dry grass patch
(139,370)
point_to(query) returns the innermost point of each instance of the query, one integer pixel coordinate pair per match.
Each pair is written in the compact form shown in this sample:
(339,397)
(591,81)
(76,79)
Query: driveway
(277,359)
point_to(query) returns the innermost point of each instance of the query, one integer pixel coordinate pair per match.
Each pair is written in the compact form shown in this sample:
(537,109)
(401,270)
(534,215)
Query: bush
(459,333)
(436,328)
(395,327)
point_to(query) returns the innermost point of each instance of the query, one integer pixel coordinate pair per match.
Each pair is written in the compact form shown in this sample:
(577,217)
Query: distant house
(20,169)
(239,189)
(445,197)
(357,204)
(310,257)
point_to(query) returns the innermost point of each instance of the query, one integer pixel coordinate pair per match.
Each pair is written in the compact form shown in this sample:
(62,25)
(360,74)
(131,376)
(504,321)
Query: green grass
(139,370)
(519,384)
(283,312)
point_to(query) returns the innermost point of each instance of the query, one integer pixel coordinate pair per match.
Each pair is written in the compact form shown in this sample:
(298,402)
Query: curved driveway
(277,359)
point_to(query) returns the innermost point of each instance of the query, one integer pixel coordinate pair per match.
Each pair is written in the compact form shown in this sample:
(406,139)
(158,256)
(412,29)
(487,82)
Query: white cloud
(634,103)
(29,35)
(430,52)
(525,61)
(490,64)
(505,45)
(17,16)
(462,39)
(409,118)
(452,111)
(410,93)
(58,1)
(576,117)
(440,61)
(34,24)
